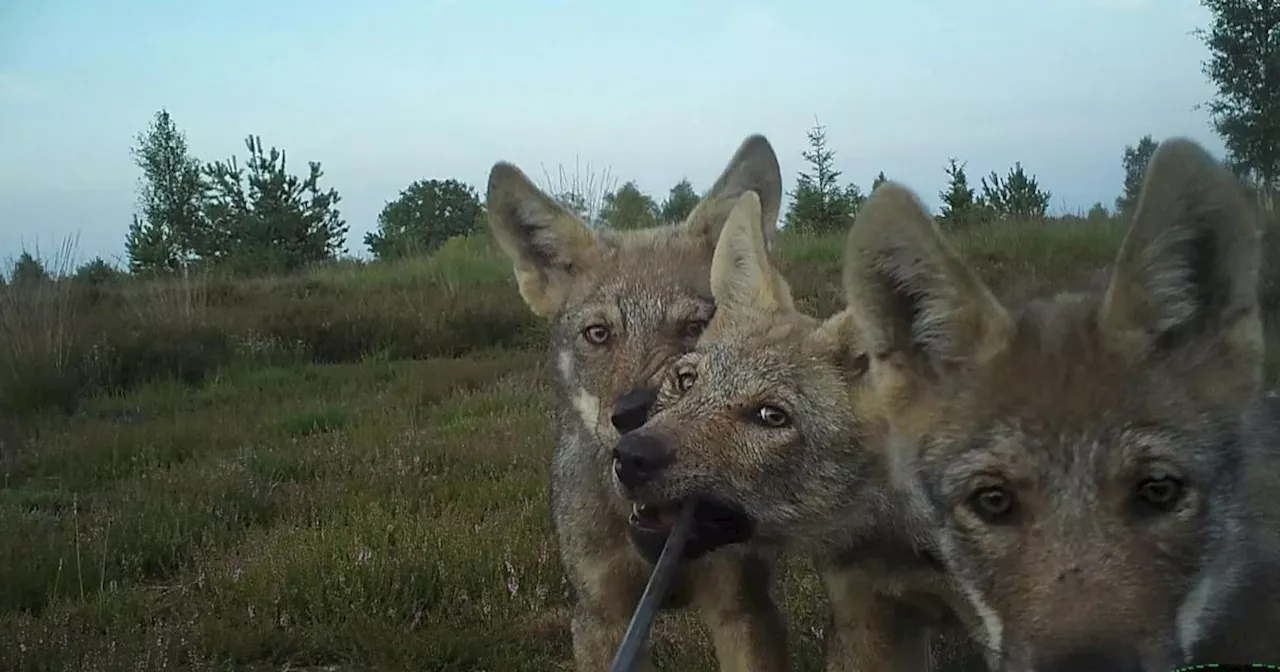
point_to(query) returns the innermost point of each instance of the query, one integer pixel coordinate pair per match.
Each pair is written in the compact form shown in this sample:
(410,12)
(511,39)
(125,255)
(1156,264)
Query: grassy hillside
(341,470)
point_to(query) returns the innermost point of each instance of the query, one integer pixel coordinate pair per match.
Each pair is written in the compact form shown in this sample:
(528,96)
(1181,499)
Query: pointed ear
(838,336)
(742,278)
(1187,271)
(754,167)
(547,244)
(918,307)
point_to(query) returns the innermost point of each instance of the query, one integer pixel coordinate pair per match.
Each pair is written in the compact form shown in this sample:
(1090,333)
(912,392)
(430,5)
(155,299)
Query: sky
(385,92)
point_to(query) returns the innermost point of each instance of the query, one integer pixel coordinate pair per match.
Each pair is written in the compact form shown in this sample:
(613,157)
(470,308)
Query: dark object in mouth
(654,592)
(714,525)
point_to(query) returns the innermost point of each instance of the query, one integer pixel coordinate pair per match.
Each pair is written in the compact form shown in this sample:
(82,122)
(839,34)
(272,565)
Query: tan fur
(648,290)
(1087,463)
(818,484)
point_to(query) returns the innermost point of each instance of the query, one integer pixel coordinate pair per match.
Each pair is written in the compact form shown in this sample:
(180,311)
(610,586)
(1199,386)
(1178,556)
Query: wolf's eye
(1161,492)
(694,328)
(685,380)
(992,504)
(596,334)
(772,416)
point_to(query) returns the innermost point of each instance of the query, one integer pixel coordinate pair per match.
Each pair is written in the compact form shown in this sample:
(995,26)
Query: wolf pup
(770,415)
(623,306)
(1091,465)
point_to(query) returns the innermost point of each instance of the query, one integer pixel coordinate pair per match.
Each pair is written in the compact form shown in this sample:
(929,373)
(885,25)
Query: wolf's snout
(631,410)
(638,458)
(1087,660)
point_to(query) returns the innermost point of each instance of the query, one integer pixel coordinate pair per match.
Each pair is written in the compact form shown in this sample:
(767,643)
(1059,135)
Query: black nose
(1109,660)
(638,458)
(632,409)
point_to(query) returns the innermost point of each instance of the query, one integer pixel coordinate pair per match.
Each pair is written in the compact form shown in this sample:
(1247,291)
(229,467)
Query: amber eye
(992,504)
(596,334)
(685,380)
(694,328)
(772,416)
(1161,493)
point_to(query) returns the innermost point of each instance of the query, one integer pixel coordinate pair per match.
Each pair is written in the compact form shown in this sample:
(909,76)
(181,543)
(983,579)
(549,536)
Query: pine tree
(264,219)
(819,204)
(1017,196)
(959,206)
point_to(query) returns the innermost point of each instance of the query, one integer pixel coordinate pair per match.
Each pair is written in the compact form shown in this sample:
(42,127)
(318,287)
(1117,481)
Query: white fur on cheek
(565,366)
(586,404)
(588,407)
(992,626)
(990,619)
(1196,610)
(1192,612)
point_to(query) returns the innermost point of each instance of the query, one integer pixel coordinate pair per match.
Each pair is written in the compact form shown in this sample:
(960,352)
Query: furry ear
(742,278)
(918,307)
(838,335)
(547,244)
(753,167)
(1187,271)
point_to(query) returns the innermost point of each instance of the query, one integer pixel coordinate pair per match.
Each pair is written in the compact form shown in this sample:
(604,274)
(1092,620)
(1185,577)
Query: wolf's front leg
(734,594)
(597,634)
(863,633)
(608,588)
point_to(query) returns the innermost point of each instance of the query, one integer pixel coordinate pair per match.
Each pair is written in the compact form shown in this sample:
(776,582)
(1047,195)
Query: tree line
(252,218)
(258,217)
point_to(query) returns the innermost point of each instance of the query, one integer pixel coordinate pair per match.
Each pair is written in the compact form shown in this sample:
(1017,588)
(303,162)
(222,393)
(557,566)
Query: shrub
(61,340)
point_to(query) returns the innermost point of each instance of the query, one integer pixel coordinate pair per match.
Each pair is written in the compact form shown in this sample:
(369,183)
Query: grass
(345,469)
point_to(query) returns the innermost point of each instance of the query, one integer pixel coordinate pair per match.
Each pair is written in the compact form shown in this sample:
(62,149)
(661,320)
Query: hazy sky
(387,92)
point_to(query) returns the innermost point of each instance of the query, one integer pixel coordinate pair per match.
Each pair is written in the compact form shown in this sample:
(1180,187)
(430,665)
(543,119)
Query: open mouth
(714,525)
(654,517)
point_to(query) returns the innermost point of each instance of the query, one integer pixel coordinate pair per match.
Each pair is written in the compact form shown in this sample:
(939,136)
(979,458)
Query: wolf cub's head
(758,422)
(1080,457)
